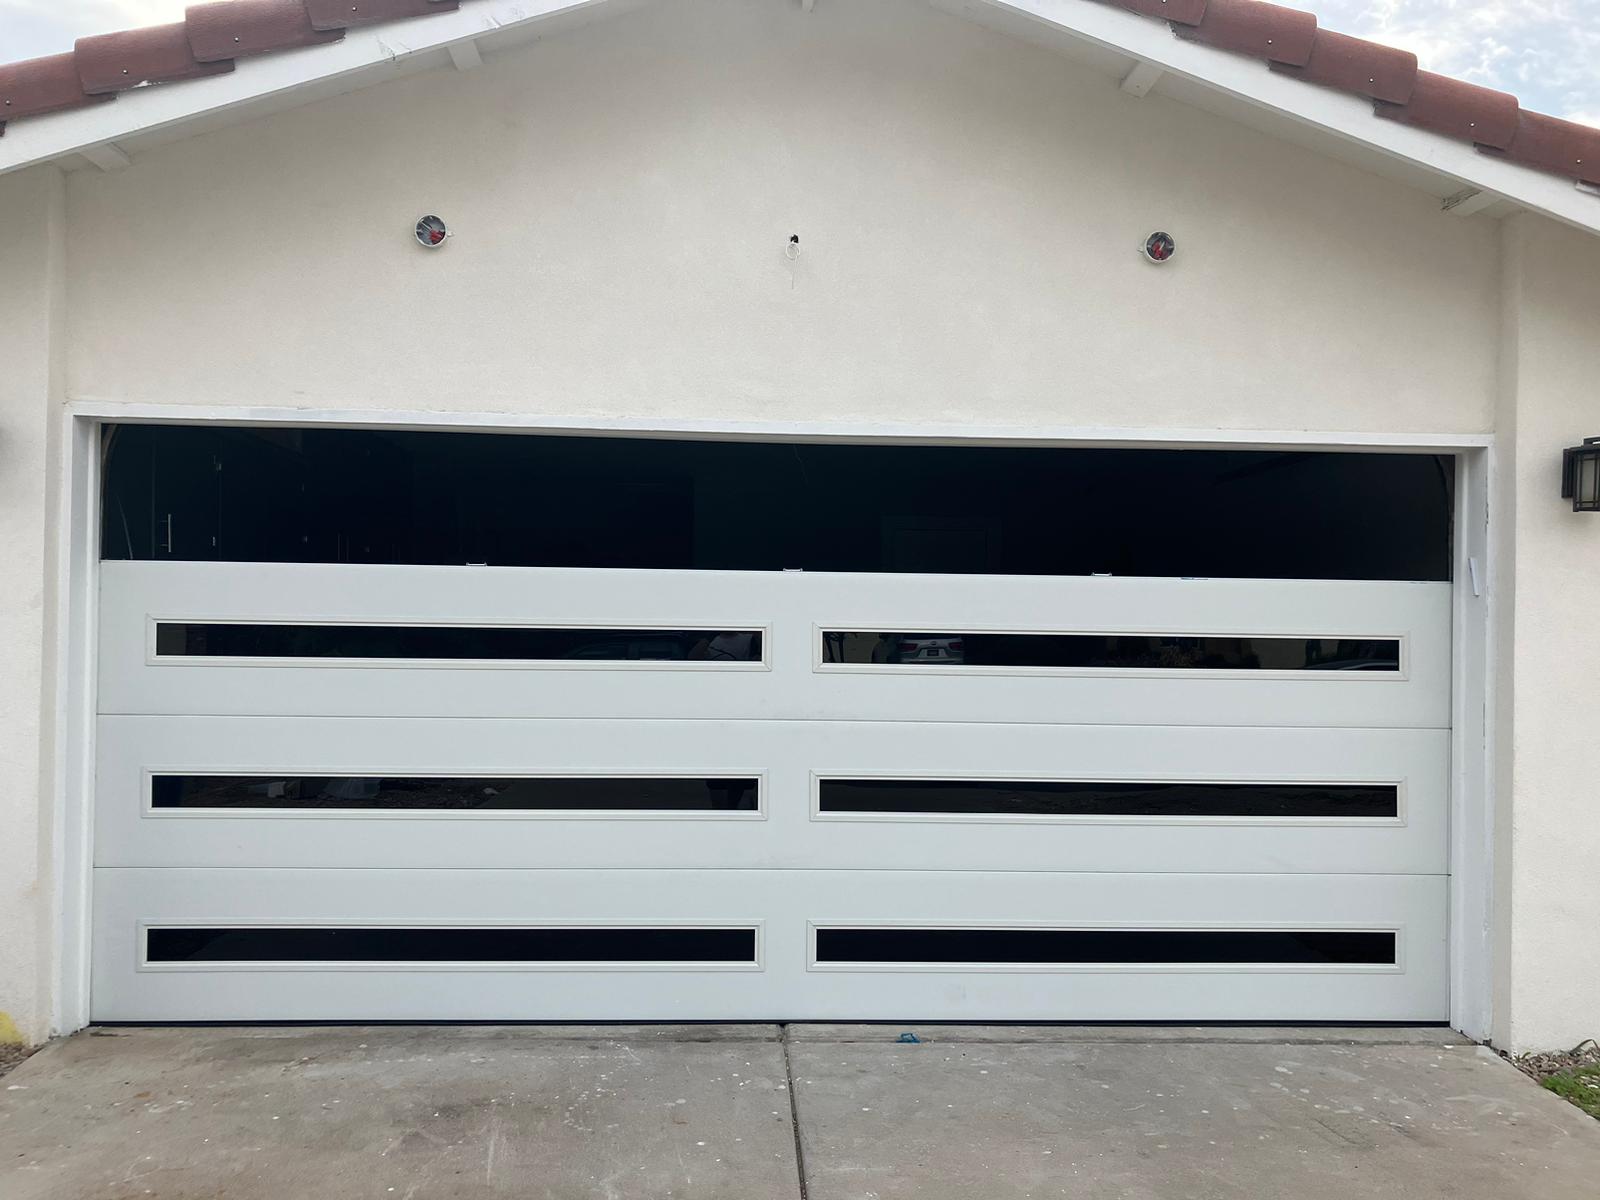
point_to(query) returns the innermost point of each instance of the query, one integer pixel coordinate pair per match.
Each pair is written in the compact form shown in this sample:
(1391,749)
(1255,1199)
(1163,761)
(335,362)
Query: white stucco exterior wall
(969,208)
(1549,703)
(32,231)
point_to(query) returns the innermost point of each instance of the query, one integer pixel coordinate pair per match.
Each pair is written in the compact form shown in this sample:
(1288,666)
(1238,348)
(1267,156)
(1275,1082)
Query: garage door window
(596,794)
(455,642)
(609,944)
(1063,798)
(1108,651)
(1071,947)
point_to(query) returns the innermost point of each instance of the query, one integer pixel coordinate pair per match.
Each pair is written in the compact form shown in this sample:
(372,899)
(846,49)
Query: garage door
(357,791)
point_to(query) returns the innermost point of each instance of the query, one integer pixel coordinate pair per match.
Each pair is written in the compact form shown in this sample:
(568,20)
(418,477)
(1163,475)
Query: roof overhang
(1236,86)
(1334,122)
(365,56)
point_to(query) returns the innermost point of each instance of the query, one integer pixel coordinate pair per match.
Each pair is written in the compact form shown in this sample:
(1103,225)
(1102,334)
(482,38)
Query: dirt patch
(1572,1074)
(11,1054)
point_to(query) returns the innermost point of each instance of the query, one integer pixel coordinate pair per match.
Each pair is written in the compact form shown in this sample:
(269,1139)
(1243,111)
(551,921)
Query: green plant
(1581,1085)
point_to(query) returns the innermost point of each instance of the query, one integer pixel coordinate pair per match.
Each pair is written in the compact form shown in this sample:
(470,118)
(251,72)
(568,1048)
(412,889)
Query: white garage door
(426,792)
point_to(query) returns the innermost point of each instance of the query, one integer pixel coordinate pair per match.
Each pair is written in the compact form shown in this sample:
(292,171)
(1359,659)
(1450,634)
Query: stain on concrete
(1209,1120)
(386,1113)
(704,1113)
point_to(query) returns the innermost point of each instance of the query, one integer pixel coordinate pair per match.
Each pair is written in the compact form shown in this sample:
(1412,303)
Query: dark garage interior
(377,496)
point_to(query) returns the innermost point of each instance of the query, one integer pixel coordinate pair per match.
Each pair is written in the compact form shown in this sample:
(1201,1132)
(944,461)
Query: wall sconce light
(1580,475)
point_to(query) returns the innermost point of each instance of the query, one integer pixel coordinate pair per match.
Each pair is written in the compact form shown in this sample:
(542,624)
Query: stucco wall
(31,268)
(1550,660)
(969,209)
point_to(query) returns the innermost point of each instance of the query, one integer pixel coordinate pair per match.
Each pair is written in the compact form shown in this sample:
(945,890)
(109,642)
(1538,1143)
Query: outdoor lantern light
(1580,475)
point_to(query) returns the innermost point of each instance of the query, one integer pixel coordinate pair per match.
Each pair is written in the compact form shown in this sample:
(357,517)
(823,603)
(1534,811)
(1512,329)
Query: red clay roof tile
(337,14)
(115,62)
(213,34)
(41,85)
(1551,144)
(236,28)
(1458,109)
(1255,27)
(1357,65)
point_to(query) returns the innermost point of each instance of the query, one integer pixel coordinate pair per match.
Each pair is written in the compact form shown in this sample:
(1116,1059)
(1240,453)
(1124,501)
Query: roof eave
(1333,112)
(368,55)
(365,55)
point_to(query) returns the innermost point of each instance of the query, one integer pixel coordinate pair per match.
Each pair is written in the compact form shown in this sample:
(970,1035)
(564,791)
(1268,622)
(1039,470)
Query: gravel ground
(1572,1074)
(1584,1054)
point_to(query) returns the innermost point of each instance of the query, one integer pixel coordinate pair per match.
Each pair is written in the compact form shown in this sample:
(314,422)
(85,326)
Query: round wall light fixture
(431,232)
(1159,248)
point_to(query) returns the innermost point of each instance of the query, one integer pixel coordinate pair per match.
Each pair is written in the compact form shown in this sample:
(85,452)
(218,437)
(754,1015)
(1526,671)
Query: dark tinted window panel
(484,643)
(1058,798)
(574,793)
(1124,651)
(268,945)
(397,496)
(1066,947)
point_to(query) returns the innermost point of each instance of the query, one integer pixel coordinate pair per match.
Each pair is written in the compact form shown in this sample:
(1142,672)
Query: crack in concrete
(794,1112)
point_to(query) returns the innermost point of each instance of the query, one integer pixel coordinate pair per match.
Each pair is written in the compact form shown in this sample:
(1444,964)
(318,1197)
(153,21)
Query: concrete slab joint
(709,1112)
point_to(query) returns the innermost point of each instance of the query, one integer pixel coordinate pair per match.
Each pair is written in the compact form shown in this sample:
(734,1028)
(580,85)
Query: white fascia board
(363,52)
(1339,113)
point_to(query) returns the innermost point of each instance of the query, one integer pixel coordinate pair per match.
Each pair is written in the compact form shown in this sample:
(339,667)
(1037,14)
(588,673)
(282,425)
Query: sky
(1547,52)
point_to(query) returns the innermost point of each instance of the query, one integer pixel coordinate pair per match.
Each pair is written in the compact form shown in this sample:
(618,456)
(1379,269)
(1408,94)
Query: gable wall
(970,209)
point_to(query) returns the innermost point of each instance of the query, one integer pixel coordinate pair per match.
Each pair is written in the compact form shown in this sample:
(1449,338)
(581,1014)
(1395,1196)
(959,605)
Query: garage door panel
(359,792)
(1321,653)
(787,908)
(1166,633)
(1214,803)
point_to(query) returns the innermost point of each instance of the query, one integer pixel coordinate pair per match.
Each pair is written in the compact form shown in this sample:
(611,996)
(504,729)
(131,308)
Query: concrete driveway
(808,1111)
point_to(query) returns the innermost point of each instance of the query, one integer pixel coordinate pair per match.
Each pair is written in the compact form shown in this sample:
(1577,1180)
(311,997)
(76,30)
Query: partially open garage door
(387,790)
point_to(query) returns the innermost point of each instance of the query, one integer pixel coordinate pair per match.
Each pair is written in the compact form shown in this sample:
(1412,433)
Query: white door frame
(70,772)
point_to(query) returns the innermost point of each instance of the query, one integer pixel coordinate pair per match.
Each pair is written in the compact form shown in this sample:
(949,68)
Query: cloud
(34,27)
(1546,52)
(128,13)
